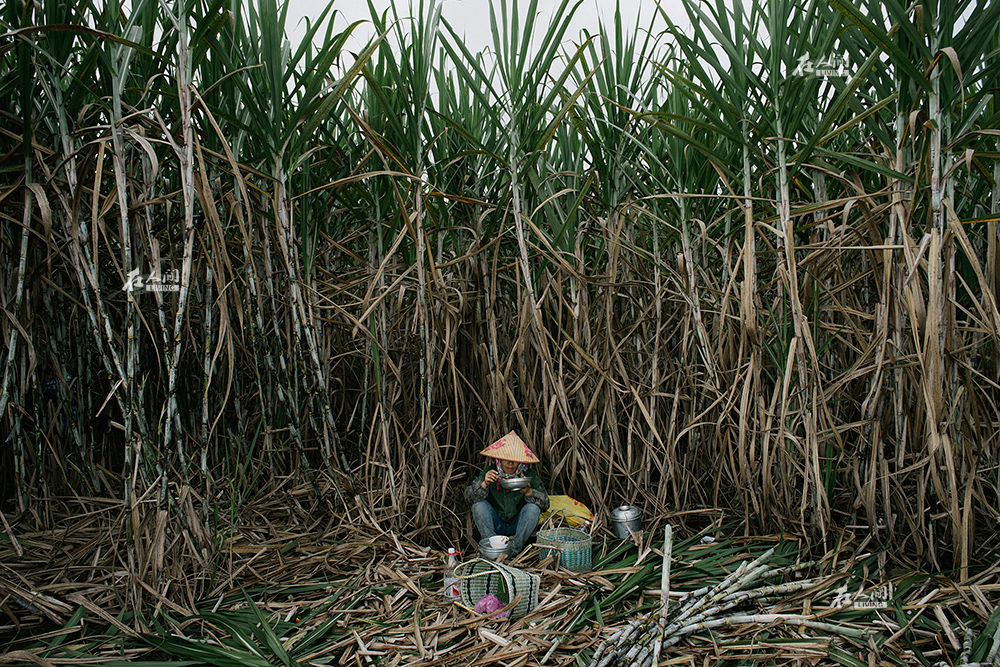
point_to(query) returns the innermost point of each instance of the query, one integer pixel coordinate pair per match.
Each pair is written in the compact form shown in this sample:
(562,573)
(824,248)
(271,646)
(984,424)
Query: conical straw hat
(510,448)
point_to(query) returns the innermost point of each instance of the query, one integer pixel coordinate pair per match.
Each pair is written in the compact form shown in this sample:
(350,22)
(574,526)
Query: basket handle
(461,567)
(562,518)
(484,573)
(494,568)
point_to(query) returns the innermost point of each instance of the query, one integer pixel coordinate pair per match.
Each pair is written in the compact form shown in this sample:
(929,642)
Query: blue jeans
(489,524)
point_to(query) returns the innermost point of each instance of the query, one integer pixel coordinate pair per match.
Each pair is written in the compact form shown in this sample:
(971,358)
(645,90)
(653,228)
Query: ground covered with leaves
(358,594)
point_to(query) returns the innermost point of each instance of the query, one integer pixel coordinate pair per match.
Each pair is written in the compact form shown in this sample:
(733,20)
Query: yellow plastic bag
(576,513)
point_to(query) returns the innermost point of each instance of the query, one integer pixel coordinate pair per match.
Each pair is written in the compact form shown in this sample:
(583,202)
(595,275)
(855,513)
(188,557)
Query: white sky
(472,17)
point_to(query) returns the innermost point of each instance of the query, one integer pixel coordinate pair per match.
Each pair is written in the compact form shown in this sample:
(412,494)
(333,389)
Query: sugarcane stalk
(668,545)
(765,619)
(748,297)
(24,59)
(897,223)
(617,650)
(787,570)
(765,591)
(288,394)
(741,576)
(423,322)
(136,444)
(740,597)
(633,651)
(748,317)
(618,655)
(966,654)
(522,243)
(208,365)
(643,639)
(20,470)
(244,222)
(379,346)
(157,266)
(610,641)
(120,58)
(185,155)
(993,253)
(53,91)
(303,330)
(552,649)
(693,298)
(646,654)
(937,256)
(800,328)
(86,273)
(655,365)
(934,113)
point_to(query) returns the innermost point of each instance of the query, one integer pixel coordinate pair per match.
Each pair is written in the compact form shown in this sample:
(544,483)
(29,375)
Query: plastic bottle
(450,580)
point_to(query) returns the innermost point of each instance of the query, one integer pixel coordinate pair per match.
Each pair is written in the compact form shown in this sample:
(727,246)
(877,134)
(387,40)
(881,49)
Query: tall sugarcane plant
(748,263)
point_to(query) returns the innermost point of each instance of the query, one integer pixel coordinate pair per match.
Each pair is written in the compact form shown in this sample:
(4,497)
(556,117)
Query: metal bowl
(492,548)
(515,483)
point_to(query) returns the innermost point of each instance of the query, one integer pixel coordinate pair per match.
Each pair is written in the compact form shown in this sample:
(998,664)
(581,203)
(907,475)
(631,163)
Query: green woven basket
(478,577)
(571,545)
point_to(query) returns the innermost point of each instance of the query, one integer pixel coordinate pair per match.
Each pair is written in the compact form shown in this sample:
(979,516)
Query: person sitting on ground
(498,511)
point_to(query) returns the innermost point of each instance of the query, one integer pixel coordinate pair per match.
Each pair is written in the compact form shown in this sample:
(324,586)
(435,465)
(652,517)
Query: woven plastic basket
(571,545)
(478,576)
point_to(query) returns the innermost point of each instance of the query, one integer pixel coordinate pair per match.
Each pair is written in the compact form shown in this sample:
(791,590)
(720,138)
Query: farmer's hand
(491,476)
(526,490)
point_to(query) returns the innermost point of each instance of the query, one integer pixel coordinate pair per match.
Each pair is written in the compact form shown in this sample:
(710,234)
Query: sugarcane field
(500,332)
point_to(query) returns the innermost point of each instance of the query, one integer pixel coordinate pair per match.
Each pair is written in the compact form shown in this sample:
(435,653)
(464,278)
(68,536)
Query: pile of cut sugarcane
(640,642)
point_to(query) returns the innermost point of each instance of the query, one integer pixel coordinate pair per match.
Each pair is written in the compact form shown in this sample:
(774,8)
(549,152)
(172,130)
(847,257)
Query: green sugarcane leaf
(72,622)
(269,637)
(834,113)
(883,39)
(982,645)
(862,163)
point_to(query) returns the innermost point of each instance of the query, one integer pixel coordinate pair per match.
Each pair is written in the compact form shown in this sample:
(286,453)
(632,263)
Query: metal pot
(626,518)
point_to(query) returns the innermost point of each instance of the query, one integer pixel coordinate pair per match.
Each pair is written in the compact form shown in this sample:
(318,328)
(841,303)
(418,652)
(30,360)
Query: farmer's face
(508,466)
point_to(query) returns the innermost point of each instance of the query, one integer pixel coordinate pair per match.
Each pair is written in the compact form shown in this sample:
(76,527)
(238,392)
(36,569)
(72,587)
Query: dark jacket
(507,503)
